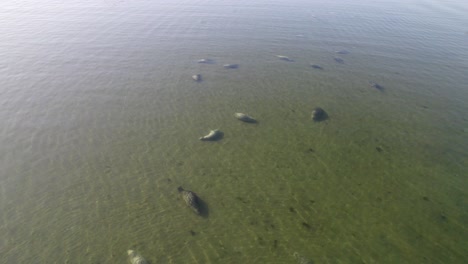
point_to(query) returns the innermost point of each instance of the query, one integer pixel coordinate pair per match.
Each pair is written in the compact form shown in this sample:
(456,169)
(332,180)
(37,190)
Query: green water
(101,120)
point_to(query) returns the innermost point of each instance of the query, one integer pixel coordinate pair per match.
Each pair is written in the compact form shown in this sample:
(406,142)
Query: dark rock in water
(376,86)
(342,52)
(315,66)
(197,77)
(338,60)
(231,66)
(319,114)
(191,199)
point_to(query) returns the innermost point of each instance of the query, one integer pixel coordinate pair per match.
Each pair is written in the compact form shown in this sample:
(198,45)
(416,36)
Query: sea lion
(319,114)
(231,66)
(315,66)
(338,60)
(197,77)
(301,259)
(285,58)
(245,118)
(213,135)
(136,258)
(191,199)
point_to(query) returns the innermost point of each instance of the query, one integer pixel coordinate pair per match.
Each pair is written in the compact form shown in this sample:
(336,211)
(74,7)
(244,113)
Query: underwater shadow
(204,211)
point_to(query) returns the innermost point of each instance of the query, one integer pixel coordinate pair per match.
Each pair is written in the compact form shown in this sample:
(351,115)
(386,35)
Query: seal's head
(131,253)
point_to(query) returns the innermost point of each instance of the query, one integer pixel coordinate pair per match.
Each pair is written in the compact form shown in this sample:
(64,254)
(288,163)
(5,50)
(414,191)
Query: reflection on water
(101,125)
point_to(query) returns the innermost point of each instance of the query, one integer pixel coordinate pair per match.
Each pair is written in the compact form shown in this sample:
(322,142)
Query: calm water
(101,120)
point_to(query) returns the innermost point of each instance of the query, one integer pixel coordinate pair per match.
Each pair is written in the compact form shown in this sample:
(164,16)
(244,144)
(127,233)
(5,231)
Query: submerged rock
(213,135)
(136,258)
(191,199)
(245,118)
(319,114)
(231,66)
(285,58)
(197,77)
(315,66)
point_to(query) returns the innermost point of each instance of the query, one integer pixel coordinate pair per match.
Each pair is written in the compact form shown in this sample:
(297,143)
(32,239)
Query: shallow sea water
(101,120)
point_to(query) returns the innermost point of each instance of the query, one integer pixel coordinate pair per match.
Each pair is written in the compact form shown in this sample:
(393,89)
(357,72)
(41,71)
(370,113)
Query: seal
(376,86)
(191,199)
(285,58)
(315,66)
(213,135)
(338,60)
(343,52)
(207,61)
(301,259)
(231,66)
(136,258)
(197,77)
(245,118)
(319,114)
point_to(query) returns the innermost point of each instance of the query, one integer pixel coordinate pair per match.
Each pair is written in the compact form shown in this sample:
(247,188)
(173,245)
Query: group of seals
(190,198)
(216,134)
(337,60)
(318,114)
(198,77)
